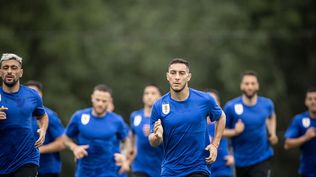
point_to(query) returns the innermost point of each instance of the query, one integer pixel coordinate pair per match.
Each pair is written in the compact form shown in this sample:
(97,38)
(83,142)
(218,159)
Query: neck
(95,114)
(12,89)
(147,111)
(249,101)
(180,96)
(312,114)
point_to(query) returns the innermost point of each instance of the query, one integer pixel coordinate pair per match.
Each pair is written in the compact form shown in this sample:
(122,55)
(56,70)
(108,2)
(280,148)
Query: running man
(146,160)
(302,134)
(178,121)
(19,155)
(50,162)
(251,122)
(96,132)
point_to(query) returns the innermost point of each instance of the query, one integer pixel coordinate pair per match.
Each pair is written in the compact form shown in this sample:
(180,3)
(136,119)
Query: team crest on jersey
(239,109)
(137,120)
(165,108)
(306,122)
(85,118)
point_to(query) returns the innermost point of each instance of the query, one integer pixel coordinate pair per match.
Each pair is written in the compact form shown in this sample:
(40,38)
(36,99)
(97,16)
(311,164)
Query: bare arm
(297,142)
(237,130)
(42,128)
(271,125)
(55,146)
(220,126)
(79,151)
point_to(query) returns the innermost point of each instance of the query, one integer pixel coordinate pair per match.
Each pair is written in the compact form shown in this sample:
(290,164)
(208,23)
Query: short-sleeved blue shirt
(17,138)
(50,163)
(185,132)
(252,145)
(219,167)
(298,128)
(100,133)
(145,152)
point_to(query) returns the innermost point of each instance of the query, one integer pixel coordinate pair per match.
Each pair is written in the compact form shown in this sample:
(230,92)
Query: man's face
(178,76)
(249,86)
(11,72)
(310,101)
(100,101)
(151,94)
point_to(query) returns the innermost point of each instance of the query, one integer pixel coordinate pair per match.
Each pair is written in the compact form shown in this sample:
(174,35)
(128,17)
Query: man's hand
(80,151)
(3,115)
(229,160)
(213,153)
(239,127)
(273,139)
(120,160)
(39,142)
(310,133)
(158,130)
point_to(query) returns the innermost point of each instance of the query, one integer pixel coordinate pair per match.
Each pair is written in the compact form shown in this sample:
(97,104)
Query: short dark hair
(181,61)
(35,83)
(311,89)
(153,85)
(248,73)
(103,88)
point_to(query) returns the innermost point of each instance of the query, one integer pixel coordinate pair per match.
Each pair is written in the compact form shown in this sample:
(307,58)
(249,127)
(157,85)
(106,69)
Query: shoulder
(265,100)
(116,117)
(200,94)
(233,102)
(29,91)
(79,113)
(299,117)
(137,112)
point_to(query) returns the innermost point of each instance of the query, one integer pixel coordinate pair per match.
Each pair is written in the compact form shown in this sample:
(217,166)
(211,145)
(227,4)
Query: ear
(189,77)
(21,73)
(167,76)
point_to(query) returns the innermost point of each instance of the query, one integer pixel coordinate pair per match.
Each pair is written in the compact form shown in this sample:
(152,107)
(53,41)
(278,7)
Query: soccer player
(251,122)
(222,167)
(146,160)
(19,154)
(178,121)
(302,134)
(96,132)
(50,163)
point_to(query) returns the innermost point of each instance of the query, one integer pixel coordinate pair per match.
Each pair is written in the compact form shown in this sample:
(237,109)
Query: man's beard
(12,84)
(177,91)
(248,95)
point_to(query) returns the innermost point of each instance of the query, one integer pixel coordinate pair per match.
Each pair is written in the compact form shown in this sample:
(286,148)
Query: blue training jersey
(50,162)
(17,138)
(219,167)
(100,134)
(148,158)
(252,145)
(185,132)
(298,128)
